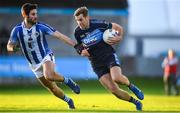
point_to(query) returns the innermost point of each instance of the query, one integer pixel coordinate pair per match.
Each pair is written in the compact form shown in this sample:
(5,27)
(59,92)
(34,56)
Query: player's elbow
(9,47)
(49,75)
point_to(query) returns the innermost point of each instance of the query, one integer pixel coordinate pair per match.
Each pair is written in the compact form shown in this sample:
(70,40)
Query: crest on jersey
(36,34)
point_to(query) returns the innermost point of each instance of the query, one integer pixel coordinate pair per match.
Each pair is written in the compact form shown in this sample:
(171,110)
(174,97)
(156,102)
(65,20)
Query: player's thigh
(108,83)
(117,75)
(46,83)
(116,72)
(48,68)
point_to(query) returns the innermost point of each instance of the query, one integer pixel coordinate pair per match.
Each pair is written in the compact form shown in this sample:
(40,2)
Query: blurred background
(151,28)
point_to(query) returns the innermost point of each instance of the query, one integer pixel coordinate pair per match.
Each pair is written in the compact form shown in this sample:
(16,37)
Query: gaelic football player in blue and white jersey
(104,61)
(30,35)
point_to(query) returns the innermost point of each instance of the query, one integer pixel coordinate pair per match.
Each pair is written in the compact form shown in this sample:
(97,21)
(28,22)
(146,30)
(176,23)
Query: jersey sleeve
(47,29)
(77,37)
(173,61)
(104,24)
(14,36)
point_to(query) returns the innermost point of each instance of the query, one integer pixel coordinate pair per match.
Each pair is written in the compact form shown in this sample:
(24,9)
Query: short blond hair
(81,10)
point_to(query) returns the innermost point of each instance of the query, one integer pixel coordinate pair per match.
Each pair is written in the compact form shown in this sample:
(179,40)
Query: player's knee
(113,89)
(49,75)
(117,79)
(120,79)
(53,89)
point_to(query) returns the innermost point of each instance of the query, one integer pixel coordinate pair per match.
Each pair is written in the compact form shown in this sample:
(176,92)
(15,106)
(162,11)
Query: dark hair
(27,7)
(81,10)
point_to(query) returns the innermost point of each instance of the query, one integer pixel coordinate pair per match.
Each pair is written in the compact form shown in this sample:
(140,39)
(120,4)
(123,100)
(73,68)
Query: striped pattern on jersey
(32,41)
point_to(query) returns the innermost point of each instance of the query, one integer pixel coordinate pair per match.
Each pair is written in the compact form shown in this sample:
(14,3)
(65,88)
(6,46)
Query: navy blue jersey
(92,38)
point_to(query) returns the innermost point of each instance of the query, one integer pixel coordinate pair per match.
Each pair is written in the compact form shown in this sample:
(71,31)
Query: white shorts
(38,68)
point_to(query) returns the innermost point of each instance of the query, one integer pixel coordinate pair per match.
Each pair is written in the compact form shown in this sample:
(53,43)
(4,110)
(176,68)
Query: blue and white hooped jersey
(32,41)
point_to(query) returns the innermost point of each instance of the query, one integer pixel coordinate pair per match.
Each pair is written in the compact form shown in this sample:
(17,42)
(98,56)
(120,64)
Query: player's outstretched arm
(64,38)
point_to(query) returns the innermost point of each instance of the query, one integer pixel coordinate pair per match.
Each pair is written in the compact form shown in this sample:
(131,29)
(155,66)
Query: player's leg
(52,87)
(165,80)
(169,84)
(119,78)
(110,85)
(51,75)
(175,85)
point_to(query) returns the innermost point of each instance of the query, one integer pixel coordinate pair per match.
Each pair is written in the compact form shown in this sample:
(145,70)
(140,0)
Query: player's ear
(23,14)
(87,17)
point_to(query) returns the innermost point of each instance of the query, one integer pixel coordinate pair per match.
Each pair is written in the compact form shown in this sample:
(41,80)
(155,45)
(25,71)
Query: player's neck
(87,27)
(28,24)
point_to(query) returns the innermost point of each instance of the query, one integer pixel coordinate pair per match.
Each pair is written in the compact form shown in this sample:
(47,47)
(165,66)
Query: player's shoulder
(42,24)
(97,21)
(17,26)
(77,29)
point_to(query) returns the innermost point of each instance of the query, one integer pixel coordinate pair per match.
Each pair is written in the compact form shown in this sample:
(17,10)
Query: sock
(66,80)
(66,99)
(133,100)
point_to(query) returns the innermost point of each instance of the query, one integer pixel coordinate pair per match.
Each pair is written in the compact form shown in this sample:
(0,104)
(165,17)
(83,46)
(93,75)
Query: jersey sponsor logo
(82,35)
(92,38)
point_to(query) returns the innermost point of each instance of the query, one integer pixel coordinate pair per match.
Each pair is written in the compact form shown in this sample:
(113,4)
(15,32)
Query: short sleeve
(77,37)
(47,29)
(102,24)
(14,36)
(106,25)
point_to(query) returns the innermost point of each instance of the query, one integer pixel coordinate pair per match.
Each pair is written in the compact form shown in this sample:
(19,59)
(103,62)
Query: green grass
(93,98)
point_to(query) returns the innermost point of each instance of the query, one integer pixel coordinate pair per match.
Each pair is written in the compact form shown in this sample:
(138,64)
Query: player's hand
(85,53)
(79,48)
(114,40)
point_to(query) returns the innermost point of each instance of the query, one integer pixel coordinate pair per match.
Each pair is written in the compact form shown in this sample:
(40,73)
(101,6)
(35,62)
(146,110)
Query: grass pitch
(93,98)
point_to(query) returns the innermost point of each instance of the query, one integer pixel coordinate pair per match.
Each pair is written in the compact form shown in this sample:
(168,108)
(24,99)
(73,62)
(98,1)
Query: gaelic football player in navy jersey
(104,61)
(30,35)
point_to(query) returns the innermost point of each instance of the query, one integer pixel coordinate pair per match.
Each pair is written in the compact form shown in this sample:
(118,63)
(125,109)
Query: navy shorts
(104,68)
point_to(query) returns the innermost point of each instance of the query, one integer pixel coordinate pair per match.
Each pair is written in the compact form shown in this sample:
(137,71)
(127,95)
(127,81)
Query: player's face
(32,18)
(170,54)
(83,22)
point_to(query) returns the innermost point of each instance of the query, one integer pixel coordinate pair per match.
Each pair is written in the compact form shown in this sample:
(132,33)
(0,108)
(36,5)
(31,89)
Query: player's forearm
(69,41)
(10,48)
(64,38)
